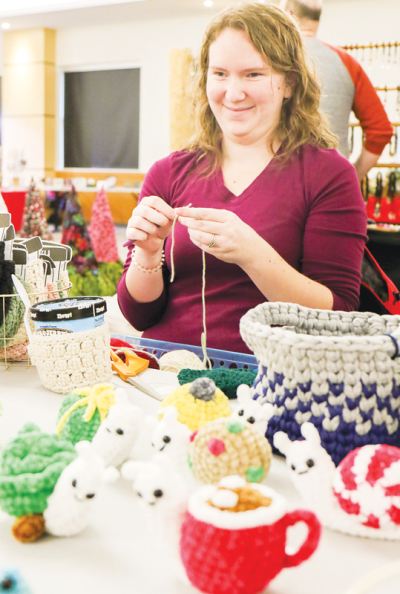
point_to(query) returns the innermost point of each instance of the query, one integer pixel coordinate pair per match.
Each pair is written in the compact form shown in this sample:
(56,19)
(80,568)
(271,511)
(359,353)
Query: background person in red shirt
(345,88)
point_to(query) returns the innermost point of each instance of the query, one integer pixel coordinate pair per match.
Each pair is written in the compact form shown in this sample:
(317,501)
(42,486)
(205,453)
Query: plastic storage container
(218,358)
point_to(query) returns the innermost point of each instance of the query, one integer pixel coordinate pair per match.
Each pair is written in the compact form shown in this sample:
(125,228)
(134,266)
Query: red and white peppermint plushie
(360,497)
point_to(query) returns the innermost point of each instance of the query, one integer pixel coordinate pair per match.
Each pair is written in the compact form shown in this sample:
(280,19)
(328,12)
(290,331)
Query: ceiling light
(5,26)
(208,2)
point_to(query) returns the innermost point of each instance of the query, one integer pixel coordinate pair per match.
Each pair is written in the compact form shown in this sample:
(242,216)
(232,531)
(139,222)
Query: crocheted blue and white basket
(337,370)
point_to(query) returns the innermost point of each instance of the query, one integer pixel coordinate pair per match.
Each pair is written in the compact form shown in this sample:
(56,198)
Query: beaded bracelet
(142,268)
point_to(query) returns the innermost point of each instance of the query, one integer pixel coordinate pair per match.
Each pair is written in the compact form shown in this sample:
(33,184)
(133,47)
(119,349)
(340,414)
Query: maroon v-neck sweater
(311,212)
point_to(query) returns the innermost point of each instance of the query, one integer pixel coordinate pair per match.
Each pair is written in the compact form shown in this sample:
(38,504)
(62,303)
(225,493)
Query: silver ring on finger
(212,242)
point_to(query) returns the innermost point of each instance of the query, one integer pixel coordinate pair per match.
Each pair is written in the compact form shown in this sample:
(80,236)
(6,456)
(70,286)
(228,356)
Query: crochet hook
(129,369)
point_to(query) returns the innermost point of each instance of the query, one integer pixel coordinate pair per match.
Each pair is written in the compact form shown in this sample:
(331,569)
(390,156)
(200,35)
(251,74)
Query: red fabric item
(393,303)
(102,230)
(15,202)
(367,106)
(153,363)
(219,561)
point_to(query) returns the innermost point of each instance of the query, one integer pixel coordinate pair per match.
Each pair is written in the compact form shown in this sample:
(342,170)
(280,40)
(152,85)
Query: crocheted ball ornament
(82,412)
(30,466)
(198,403)
(225,447)
(233,538)
(227,380)
(175,361)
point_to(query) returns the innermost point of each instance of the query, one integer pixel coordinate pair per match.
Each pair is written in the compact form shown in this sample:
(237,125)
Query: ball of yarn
(195,412)
(227,447)
(176,360)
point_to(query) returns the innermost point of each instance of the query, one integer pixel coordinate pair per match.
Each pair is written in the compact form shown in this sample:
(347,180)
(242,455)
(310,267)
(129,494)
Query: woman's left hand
(220,233)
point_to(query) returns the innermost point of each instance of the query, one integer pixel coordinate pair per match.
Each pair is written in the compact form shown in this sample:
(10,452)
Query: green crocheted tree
(30,466)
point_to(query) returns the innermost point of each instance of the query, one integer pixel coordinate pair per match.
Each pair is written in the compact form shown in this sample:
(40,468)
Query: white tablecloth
(117,555)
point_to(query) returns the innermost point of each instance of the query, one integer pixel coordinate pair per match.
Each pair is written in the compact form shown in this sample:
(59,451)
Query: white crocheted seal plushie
(70,504)
(163,495)
(360,497)
(119,431)
(171,437)
(253,411)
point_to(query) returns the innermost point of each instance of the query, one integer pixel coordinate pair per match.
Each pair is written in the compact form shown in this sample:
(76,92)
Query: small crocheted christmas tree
(34,221)
(76,235)
(102,230)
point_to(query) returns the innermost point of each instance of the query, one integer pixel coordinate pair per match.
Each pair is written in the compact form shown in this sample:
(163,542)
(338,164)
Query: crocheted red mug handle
(310,544)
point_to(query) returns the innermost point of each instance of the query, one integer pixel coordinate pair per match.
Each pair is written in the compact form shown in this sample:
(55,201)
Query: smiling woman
(278,211)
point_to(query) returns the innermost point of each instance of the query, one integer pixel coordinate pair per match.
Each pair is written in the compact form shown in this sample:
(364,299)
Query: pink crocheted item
(102,230)
(16,352)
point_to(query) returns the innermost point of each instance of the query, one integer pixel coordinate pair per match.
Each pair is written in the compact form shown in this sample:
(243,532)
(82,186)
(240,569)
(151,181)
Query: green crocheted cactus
(30,466)
(227,380)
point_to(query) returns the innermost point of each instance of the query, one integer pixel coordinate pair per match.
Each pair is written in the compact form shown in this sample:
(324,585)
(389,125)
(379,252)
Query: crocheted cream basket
(69,360)
(337,370)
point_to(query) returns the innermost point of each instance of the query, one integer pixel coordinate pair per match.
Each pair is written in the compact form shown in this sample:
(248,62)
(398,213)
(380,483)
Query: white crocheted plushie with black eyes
(70,504)
(163,495)
(360,497)
(253,411)
(119,431)
(171,437)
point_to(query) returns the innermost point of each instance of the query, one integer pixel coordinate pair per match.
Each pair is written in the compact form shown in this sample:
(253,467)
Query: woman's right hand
(150,224)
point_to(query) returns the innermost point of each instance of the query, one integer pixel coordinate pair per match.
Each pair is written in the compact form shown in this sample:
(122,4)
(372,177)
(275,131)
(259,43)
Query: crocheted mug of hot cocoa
(233,538)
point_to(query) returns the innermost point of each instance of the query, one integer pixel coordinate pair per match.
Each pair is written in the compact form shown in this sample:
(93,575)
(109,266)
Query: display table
(15,202)
(116,553)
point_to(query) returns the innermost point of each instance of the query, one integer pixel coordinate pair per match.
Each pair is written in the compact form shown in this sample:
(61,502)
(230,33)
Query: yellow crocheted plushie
(198,403)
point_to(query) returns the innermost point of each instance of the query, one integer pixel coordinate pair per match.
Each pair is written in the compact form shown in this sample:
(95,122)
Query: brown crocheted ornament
(227,447)
(28,528)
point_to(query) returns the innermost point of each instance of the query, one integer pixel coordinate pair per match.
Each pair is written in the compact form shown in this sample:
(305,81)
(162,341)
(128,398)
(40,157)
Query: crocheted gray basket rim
(289,324)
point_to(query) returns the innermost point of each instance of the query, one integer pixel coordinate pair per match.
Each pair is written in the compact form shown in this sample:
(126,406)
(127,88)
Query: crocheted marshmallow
(359,497)
(195,409)
(337,370)
(229,446)
(67,361)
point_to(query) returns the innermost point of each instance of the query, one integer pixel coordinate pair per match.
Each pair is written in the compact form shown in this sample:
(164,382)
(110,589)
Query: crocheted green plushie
(30,466)
(13,319)
(227,380)
(83,410)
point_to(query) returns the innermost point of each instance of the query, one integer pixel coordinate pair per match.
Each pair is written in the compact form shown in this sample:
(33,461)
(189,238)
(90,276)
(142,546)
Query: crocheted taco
(30,466)
(83,411)
(198,403)
(49,485)
(229,446)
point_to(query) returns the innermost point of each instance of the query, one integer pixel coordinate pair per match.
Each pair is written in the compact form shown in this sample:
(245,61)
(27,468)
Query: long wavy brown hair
(276,37)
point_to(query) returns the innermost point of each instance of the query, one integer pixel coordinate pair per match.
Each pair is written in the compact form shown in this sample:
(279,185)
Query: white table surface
(116,554)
